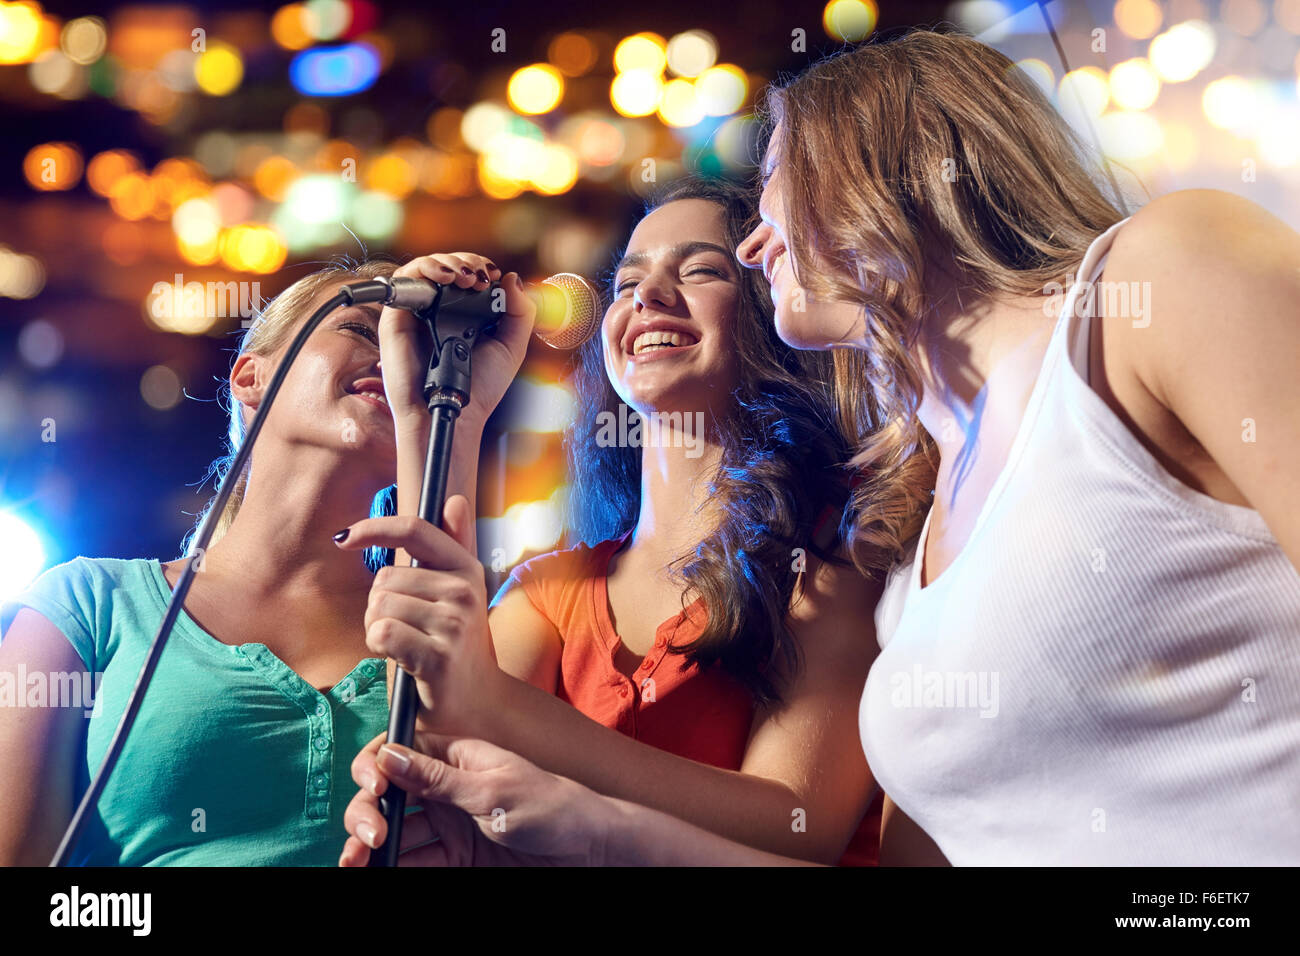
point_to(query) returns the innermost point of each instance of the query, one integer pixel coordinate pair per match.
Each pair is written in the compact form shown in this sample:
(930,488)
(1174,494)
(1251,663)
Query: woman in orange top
(707,613)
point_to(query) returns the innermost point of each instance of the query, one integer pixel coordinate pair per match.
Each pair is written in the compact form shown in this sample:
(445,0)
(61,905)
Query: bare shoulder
(834,602)
(1197,235)
(1212,267)
(833,582)
(1210,339)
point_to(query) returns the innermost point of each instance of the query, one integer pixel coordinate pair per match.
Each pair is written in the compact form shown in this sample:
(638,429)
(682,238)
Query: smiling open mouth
(653,341)
(373,396)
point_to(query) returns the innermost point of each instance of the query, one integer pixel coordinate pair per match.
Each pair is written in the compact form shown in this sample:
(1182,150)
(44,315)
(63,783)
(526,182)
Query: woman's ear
(244,385)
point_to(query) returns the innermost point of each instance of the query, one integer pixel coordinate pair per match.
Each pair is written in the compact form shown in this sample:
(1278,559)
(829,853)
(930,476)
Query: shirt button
(321,708)
(321,744)
(647,664)
(622,691)
(660,641)
(322,781)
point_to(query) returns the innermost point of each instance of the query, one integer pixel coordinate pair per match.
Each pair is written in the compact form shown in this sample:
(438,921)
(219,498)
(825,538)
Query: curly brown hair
(783,448)
(934,146)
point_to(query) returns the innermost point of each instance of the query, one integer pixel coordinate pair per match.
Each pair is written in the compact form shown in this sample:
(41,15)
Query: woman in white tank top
(1083,482)
(1091,650)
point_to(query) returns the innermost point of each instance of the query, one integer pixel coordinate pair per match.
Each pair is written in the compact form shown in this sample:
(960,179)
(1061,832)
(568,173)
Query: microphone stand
(456,325)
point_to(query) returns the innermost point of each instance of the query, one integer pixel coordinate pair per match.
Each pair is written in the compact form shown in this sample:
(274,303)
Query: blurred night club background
(154,145)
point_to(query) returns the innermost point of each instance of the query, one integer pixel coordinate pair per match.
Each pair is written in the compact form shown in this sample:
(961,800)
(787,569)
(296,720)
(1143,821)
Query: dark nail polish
(342,536)
(467,270)
(482,275)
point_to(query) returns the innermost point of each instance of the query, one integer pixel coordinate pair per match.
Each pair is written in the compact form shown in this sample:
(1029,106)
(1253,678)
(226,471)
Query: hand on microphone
(404,344)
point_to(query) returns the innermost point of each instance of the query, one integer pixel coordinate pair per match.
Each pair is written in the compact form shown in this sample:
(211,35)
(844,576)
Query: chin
(796,332)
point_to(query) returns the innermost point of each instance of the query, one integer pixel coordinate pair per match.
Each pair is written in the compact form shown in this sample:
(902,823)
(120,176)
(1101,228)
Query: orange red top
(700,714)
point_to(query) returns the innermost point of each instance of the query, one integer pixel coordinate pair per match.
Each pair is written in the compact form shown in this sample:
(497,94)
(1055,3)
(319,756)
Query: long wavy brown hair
(927,145)
(783,450)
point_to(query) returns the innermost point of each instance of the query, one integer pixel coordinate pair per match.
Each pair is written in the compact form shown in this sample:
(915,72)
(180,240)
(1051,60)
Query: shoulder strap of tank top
(1085,305)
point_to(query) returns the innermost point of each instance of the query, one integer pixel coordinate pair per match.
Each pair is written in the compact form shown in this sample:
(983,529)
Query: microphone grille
(569,312)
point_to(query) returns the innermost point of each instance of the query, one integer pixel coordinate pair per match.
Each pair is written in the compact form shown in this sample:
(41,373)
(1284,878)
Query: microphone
(568,306)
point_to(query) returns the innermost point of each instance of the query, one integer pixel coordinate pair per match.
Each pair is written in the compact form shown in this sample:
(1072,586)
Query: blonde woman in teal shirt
(266,691)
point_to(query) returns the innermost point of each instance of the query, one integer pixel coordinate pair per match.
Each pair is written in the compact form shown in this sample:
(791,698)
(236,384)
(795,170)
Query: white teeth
(650,340)
(378,395)
(776,264)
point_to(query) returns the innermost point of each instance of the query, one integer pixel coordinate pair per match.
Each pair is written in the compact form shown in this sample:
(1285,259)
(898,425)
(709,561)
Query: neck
(676,510)
(280,545)
(979,359)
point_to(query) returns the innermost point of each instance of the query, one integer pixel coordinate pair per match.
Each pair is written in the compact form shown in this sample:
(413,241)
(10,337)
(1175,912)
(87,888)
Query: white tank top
(1109,671)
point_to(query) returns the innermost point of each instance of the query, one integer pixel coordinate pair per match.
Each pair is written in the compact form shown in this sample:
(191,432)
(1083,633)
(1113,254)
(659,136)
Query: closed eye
(365,330)
(698,270)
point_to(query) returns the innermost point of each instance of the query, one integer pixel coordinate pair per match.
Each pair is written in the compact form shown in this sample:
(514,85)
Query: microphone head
(568,311)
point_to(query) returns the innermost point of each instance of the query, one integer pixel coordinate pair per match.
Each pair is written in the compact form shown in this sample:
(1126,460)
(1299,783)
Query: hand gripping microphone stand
(457,319)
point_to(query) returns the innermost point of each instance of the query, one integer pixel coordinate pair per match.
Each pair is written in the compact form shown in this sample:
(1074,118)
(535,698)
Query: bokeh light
(22,555)
(84,40)
(53,167)
(535,89)
(691,53)
(849,20)
(1184,50)
(1139,19)
(219,69)
(1134,85)
(572,53)
(644,51)
(636,92)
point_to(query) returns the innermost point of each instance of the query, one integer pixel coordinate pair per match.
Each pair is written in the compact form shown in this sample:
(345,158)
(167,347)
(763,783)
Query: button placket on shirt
(319,710)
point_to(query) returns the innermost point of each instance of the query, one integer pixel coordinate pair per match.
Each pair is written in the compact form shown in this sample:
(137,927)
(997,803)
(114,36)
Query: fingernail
(341,536)
(366,833)
(372,783)
(493,265)
(393,759)
(482,274)
(519,283)
(467,270)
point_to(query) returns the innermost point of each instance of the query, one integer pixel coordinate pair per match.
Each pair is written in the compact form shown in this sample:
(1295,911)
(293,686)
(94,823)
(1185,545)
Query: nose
(653,291)
(750,250)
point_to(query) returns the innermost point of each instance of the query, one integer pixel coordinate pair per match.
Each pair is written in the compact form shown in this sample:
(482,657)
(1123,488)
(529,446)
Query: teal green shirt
(234,760)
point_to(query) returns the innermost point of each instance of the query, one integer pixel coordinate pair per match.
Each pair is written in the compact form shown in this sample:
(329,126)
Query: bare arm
(528,646)
(1222,349)
(468,787)
(804,783)
(640,836)
(39,746)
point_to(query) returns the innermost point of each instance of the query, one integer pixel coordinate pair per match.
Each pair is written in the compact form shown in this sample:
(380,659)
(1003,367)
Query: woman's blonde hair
(273,327)
(930,145)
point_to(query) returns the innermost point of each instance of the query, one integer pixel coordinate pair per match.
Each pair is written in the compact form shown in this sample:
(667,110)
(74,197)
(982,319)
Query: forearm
(639,836)
(753,810)
(462,473)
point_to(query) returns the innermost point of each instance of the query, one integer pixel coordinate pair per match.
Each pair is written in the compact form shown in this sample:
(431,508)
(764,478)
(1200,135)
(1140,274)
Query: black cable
(373,291)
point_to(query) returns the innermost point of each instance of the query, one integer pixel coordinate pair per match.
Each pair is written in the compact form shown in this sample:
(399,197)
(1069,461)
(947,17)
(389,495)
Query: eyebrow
(680,251)
(371,311)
